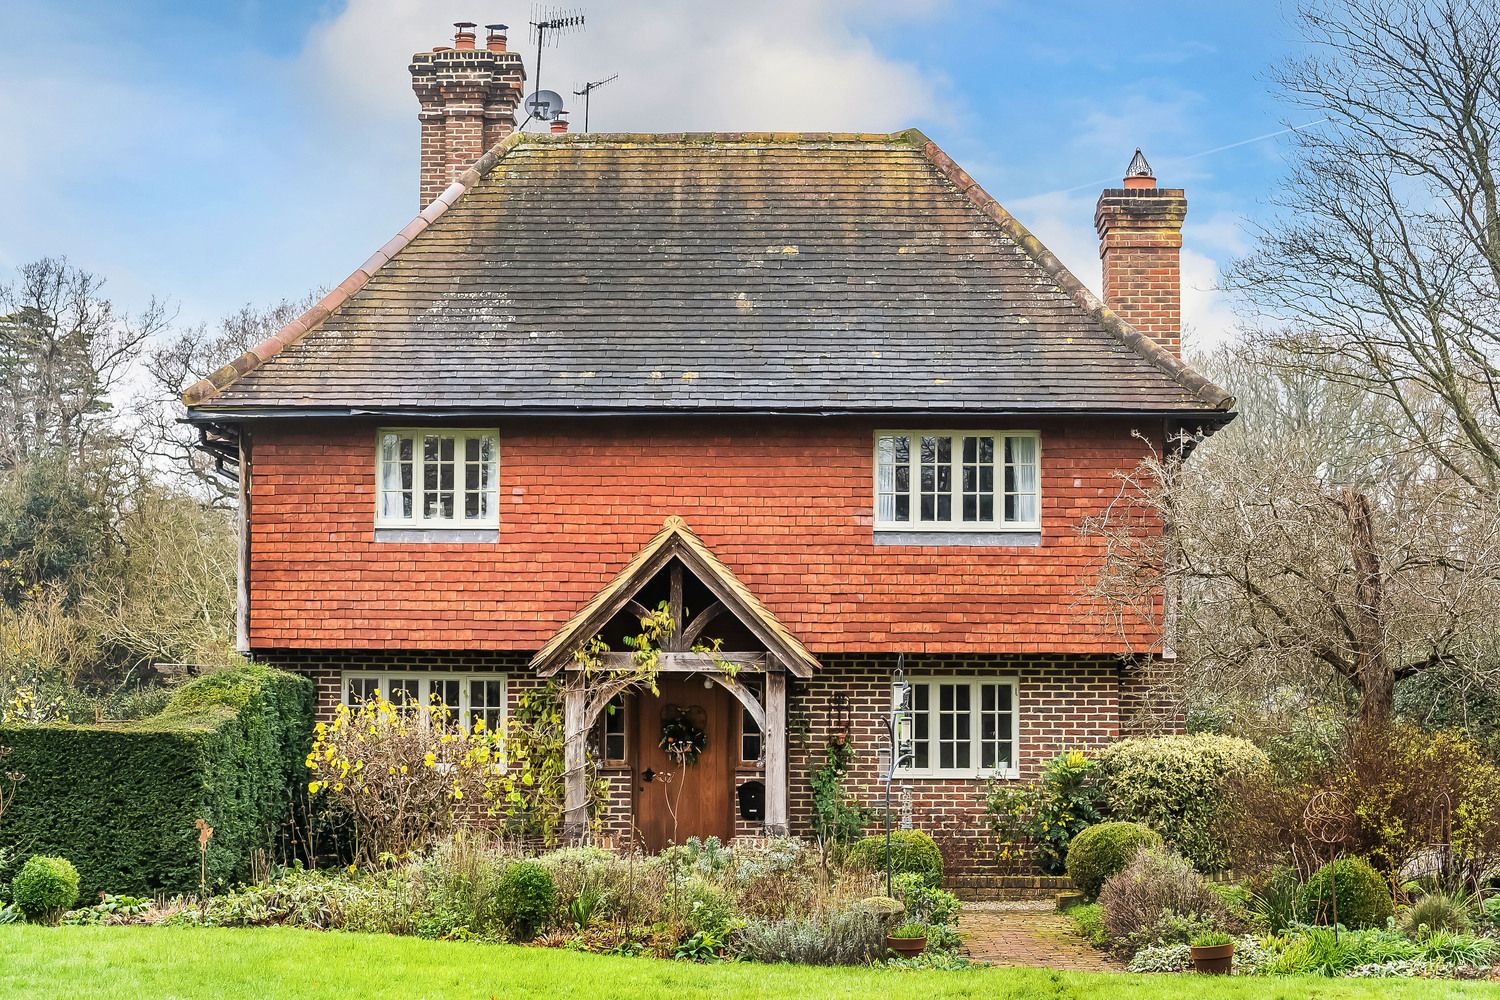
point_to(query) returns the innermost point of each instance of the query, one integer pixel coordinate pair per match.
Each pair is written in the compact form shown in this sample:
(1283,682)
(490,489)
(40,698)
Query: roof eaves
(215,383)
(1107,318)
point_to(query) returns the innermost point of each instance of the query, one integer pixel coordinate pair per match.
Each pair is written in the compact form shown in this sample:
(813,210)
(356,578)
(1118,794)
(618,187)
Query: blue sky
(223,152)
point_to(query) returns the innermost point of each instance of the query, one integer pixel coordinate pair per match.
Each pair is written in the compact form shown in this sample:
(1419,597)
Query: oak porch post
(575,735)
(775,736)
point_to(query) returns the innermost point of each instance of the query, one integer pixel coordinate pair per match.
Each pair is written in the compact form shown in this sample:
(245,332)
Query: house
(817,395)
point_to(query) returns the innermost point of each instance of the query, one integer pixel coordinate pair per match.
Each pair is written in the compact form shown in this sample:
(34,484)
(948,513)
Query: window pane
(921,727)
(405,692)
(362,689)
(935,480)
(954,732)
(750,738)
(614,729)
(978,479)
(1021,479)
(445,692)
(996,723)
(396,471)
(486,703)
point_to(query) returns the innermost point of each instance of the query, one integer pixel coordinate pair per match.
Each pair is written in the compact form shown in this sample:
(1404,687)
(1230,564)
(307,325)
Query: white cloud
(683,64)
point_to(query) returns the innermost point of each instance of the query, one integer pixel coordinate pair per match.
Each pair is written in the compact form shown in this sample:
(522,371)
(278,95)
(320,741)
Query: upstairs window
(958,480)
(437,478)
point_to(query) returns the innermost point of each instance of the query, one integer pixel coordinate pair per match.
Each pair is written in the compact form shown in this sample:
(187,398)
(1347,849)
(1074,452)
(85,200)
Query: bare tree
(168,444)
(1307,549)
(63,349)
(1384,271)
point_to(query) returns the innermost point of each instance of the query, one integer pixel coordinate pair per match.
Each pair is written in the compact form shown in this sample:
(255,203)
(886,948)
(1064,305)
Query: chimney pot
(463,35)
(495,39)
(559,124)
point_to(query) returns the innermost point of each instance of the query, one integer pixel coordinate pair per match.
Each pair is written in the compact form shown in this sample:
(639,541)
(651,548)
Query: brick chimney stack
(469,97)
(1140,243)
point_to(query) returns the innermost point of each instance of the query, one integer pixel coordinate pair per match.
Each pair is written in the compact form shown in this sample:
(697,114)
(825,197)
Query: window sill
(1005,539)
(962,774)
(422,536)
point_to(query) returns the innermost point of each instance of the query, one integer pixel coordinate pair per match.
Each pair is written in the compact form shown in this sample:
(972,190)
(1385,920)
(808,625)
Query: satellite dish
(544,105)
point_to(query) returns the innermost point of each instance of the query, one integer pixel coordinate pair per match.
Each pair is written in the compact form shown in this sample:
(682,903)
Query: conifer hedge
(122,800)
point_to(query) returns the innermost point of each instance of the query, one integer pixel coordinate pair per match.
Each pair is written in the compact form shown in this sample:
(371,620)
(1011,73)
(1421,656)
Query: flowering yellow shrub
(401,772)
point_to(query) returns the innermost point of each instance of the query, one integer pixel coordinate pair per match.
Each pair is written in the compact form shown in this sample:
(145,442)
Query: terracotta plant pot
(906,947)
(1214,960)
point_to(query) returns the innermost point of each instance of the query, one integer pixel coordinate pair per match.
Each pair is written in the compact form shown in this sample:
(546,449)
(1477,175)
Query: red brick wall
(785,503)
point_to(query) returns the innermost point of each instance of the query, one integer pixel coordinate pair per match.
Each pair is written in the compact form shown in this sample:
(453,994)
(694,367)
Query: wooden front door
(674,802)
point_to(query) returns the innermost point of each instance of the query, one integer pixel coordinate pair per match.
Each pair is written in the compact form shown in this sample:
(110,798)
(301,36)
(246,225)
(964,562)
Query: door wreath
(681,738)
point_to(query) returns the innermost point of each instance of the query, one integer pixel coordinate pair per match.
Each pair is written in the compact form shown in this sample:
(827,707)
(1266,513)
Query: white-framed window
(437,478)
(470,697)
(958,480)
(964,727)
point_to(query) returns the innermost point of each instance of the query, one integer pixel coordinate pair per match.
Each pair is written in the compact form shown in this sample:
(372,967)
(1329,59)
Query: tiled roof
(791,273)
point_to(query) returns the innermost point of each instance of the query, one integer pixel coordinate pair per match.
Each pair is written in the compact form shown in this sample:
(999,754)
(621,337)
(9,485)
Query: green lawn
(141,963)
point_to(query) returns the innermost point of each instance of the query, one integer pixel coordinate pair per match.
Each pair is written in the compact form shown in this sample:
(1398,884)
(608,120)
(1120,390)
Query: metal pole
(890,770)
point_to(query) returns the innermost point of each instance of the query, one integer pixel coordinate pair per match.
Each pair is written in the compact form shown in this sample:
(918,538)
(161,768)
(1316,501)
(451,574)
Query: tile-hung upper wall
(787,504)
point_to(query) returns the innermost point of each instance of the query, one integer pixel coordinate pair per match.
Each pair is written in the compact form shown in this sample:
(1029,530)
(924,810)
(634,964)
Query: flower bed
(773,901)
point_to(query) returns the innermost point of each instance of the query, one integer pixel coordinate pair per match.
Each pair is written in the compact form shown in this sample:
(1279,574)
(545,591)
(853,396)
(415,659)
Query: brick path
(1027,934)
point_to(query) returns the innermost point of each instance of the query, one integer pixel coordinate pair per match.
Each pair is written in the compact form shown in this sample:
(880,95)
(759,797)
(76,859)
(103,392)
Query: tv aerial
(547,23)
(587,91)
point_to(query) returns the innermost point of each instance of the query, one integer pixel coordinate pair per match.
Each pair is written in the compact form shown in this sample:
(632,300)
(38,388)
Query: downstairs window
(964,727)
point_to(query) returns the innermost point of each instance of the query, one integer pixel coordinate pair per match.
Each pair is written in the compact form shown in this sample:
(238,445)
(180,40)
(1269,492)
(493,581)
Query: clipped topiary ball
(1364,899)
(1101,850)
(911,851)
(45,888)
(525,899)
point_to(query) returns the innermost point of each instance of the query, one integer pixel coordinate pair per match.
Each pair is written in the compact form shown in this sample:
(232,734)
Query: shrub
(1101,850)
(1158,899)
(1047,815)
(1180,786)
(837,818)
(1273,897)
(1437,911)
(1364,900)
(122,799)
(912,851)
(925,904)
(525,899)
(590,882)
(842,937)
(1317,951)
(1088,918)
(456,887)
(399,772)
(1162,958)
(708,908)
(45,888)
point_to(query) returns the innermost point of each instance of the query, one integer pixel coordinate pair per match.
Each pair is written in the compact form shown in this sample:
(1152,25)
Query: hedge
(1178,786)
(121,800)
